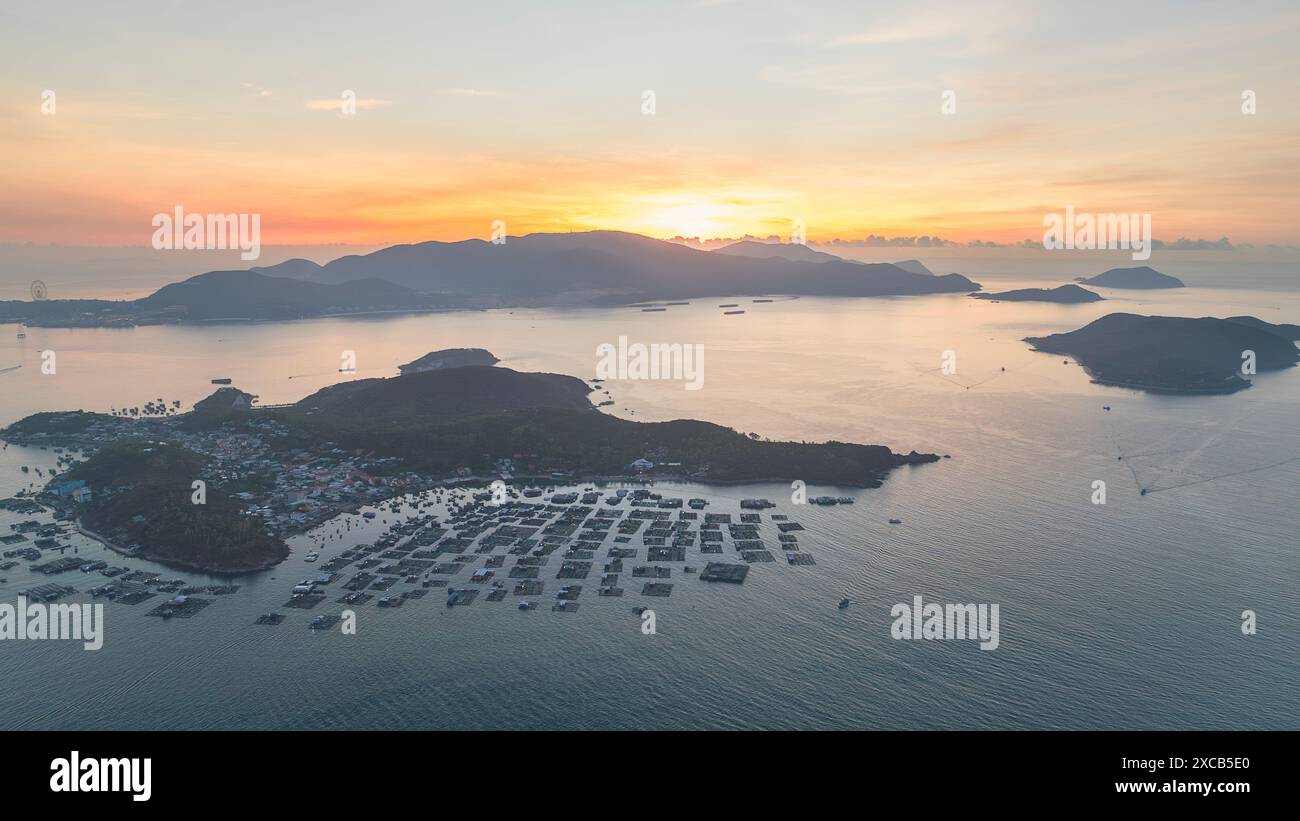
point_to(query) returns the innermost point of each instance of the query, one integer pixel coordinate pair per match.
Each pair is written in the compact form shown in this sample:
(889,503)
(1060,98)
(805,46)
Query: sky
(766,115)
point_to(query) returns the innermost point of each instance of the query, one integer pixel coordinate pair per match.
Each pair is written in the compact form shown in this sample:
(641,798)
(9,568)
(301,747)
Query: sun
(696,219)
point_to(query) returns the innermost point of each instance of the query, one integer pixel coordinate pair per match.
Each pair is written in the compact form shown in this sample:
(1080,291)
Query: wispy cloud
(261,92)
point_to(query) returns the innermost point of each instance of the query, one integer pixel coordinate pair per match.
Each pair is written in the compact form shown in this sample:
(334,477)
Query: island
(448,358)
(277,471)
(1284,330)
(1065,294)
(1167,354)
(589,268)
(229,296)
(1141,277)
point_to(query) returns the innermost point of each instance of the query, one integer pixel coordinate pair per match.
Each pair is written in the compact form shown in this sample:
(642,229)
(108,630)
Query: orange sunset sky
(765,113)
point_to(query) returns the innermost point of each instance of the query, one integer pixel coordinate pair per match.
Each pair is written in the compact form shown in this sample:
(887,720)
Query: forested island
(1168,354)
(1065,294)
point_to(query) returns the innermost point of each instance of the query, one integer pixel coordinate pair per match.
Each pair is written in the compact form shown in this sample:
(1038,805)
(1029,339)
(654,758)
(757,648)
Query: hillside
(609,267)
(437,421)
(244,295)
(793,251)
(446,394)
(448,358)
(142,495)
(1142,276)
(1064,294)
(1171,354)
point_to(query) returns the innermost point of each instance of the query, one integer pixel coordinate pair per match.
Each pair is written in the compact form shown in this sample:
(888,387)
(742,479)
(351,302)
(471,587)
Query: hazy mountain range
(612,267)
(591,268)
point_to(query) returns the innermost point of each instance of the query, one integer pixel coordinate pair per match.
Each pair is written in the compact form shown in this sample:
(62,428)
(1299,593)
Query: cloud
(261,92)
(471,92)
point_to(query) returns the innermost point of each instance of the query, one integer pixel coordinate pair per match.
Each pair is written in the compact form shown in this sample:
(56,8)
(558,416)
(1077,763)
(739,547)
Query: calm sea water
(1125,615)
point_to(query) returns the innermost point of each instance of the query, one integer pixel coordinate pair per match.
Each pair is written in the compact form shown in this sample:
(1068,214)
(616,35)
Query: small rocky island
(1141,277)
(448,358)
(1167,354)
(1065,294)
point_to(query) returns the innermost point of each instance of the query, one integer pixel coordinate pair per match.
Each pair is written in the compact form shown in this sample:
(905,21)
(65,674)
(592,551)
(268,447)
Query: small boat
(225,380)
(895,521)
(731,313)
(1105,407)
(844,603)
(312,556)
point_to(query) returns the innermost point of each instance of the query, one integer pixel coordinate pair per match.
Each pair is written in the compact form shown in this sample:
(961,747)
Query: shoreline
(171,563)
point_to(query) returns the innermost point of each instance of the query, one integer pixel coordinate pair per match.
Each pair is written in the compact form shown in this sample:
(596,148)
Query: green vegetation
(441,420)
(56,423)
(142,495)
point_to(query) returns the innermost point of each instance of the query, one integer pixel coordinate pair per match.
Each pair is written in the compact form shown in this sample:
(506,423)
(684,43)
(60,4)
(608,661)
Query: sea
(1122,615)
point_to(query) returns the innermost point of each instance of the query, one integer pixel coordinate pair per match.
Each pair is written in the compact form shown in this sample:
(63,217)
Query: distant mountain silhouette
(610,267)
(1067,294)
(914,266)
(226,295)
(1142,276)
(793,251)
(222,294)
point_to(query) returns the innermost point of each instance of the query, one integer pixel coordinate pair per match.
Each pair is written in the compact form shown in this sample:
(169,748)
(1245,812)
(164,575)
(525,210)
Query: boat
(312,556)
(225,380)
(22,335)
(844,603)
(697,504)
(895,521)
(846,500)
(825,501)
(730,313)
